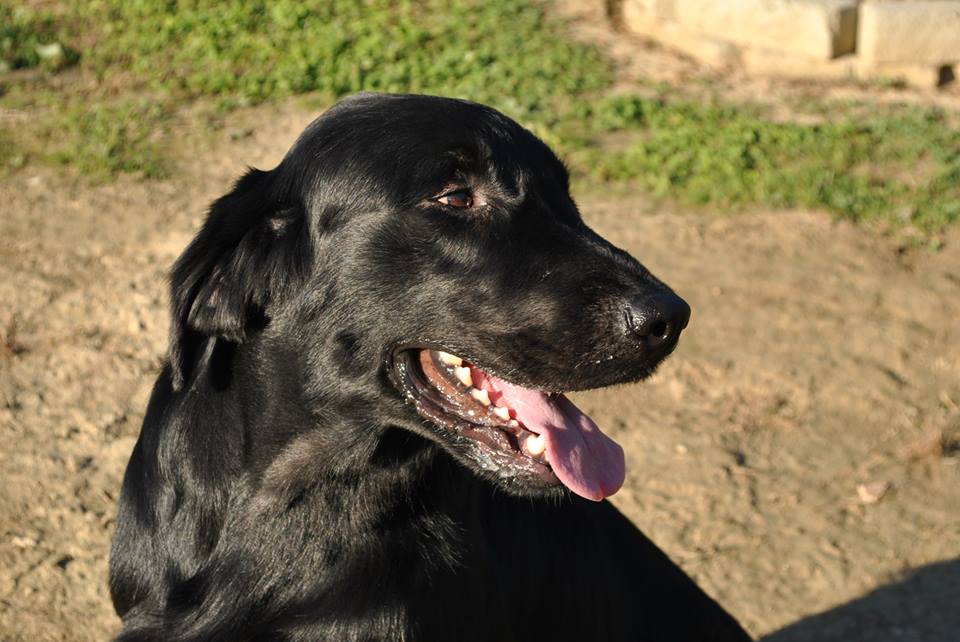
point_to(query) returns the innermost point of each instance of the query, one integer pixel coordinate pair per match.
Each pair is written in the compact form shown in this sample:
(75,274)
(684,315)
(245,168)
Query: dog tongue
(587,461)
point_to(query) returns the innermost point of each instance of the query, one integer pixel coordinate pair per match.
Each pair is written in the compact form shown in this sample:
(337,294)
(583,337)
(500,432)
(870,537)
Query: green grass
(254,50)
(903,166)
(32,39)
(242,52)
(114,137)
(110,76)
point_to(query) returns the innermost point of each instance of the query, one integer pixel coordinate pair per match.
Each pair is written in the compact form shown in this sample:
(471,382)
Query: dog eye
(460,199)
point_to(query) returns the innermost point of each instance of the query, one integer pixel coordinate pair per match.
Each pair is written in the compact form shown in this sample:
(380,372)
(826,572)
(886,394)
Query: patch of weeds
(12,157)
(501,52)
(29,39)
(505,53)
(730,157)
(886,82)
(102,139)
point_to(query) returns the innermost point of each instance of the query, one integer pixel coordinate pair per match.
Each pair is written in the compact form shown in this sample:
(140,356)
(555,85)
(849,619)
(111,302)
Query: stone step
(909,33)
(812,29)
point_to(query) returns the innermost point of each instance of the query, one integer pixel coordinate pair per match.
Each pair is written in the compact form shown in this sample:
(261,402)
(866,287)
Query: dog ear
(252,249)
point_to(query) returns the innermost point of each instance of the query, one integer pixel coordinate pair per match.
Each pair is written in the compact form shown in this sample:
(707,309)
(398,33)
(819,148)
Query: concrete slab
(813,29)
(909,33)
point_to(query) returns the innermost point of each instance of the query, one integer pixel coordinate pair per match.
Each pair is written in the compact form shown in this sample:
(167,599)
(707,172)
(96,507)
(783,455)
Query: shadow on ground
(920,607)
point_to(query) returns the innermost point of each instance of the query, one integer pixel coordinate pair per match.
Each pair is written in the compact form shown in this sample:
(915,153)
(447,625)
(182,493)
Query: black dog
(360,434)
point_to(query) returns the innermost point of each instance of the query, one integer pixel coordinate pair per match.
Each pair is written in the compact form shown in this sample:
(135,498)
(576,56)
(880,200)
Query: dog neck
(336,496)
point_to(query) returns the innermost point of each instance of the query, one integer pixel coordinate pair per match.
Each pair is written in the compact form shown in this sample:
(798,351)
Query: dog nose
(658,319)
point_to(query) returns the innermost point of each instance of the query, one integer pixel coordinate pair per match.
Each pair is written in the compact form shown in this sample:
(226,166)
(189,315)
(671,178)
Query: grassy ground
(101,85)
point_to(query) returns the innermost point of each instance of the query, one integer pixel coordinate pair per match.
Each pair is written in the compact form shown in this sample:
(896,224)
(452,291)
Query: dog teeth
(449,359)
(480,395)
(513,423)
(502,412)
(463,374)
(535,444)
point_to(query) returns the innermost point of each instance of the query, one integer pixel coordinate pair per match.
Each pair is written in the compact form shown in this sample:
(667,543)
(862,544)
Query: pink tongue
(587,461)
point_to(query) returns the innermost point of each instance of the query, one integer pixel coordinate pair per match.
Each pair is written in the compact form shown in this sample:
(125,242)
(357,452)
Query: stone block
(707,49)
(909,33)
(813,29)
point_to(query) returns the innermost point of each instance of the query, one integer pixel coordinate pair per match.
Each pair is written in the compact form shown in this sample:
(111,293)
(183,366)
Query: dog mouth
(515,431)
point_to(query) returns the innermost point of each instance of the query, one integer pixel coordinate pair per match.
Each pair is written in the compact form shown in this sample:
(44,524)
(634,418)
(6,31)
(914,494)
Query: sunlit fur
(282,489)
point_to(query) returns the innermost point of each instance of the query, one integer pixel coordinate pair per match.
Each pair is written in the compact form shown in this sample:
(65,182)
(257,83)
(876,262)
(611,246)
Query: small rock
(51,51)
(22,542)
(872,492)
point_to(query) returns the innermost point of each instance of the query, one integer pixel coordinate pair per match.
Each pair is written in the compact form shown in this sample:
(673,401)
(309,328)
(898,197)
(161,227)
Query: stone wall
(914,41)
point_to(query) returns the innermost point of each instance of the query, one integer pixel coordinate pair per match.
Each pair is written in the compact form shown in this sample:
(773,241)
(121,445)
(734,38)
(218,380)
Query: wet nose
(657,320)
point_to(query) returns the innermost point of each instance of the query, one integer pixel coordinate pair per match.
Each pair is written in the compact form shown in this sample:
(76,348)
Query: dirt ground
(820,357)
(799,455)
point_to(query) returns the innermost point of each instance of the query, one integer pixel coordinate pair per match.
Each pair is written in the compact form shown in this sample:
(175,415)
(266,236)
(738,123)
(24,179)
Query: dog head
(418,263)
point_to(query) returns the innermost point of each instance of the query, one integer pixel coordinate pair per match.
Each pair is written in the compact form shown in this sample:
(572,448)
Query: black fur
(282,489)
